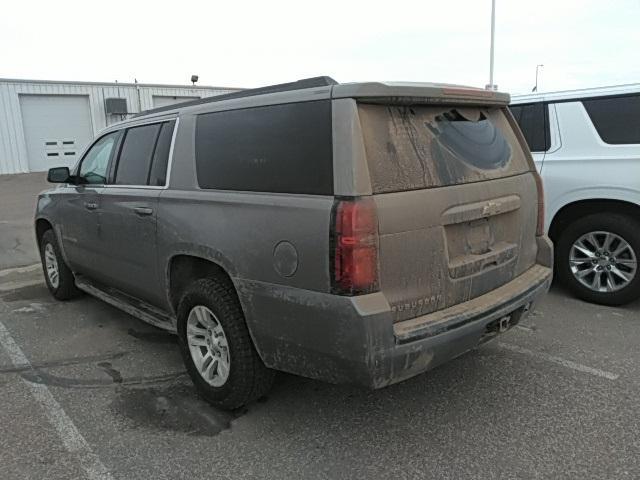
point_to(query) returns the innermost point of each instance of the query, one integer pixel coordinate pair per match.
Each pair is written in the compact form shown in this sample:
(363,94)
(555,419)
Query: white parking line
(560,361)
(71,438)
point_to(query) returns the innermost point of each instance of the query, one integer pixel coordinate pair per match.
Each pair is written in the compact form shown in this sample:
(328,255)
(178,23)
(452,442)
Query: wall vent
(115,106)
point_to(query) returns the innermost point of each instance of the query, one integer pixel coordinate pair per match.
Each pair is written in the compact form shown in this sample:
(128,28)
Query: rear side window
(158,173)
(411,148)
(136,154)
(279,148)
(534,123)
(617,119)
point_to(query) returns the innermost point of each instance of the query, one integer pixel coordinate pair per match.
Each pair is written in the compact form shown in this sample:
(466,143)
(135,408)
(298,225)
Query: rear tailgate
(456,201)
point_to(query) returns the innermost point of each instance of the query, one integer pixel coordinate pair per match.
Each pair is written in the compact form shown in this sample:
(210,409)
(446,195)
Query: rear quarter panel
(240,231)
(585,167)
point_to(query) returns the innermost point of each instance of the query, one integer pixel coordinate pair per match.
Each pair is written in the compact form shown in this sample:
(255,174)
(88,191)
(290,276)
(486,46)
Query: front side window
(93,169)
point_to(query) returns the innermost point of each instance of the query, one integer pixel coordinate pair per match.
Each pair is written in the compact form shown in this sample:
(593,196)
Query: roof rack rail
(313,82)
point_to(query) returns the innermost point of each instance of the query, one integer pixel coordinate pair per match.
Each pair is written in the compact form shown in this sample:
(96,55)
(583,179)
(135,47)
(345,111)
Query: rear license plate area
(502,324)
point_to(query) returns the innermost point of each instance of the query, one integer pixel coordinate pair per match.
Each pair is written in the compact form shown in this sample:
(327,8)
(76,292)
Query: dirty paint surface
(456,203)
(410,148)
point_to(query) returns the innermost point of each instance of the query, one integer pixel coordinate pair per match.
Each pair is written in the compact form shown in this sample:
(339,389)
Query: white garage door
(163,101)
(56,128)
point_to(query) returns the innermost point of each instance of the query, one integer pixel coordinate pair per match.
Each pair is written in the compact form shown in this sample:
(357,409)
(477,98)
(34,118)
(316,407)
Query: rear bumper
(426,342)
(353,339)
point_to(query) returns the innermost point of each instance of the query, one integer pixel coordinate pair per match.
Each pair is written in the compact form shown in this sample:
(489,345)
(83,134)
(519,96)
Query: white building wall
(13,151)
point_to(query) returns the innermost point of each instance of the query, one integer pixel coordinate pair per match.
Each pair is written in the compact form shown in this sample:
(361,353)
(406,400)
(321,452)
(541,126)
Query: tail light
(354,244)
(540,188)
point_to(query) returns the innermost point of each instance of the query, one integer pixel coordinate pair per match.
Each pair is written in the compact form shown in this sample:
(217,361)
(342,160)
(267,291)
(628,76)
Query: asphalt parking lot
(87,391)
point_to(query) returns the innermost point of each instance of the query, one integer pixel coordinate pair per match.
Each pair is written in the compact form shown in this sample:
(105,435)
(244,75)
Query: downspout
(138,91)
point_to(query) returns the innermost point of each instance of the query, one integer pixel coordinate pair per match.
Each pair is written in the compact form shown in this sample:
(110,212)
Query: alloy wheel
(208,346)
(603,261)
(51,265)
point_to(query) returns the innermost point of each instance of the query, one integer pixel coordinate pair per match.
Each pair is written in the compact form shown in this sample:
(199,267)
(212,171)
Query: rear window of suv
(617,119)
(410,148)
(283,148)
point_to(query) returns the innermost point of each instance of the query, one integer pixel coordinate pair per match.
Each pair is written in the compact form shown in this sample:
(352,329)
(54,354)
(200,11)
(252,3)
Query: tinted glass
(93,168)
(158,173)
(411,148)
(135,155)
(617,120)
(533,122)
(280,148)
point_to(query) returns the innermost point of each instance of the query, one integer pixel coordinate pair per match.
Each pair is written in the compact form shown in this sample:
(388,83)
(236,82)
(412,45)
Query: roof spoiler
(408,93)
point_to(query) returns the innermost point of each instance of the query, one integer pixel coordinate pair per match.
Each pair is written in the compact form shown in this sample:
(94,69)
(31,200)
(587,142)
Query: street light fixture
(535,89)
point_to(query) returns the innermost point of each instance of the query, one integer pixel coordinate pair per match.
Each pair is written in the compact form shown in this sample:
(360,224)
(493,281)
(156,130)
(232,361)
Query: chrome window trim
(146,187)
(171,153)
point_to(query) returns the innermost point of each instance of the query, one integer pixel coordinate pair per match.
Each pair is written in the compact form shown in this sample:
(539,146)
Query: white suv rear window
(617,119)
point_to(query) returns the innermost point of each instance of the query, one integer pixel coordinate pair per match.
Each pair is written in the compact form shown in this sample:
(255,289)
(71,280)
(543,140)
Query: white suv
(586,145)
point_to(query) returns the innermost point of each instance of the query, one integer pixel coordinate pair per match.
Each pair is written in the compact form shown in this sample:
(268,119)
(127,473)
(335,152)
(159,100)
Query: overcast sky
(251,43)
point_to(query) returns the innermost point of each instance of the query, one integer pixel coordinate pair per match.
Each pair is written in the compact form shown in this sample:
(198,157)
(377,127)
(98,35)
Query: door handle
(143,211)
(90,205)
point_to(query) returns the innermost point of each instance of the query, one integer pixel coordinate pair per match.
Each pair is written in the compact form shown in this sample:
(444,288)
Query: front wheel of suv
(216,346)
(597,258)
(57,274)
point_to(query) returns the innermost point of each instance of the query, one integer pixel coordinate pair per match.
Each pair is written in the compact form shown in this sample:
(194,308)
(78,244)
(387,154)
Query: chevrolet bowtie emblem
(491,208)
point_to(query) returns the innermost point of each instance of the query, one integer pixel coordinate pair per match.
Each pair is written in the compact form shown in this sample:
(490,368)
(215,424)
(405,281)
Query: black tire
(621,225)
(248,378)
(66,287)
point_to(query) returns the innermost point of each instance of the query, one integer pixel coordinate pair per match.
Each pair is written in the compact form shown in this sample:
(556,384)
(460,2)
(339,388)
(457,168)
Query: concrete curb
(21,277)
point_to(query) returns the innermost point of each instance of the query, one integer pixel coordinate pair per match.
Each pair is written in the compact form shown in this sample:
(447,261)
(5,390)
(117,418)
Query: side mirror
(59,175)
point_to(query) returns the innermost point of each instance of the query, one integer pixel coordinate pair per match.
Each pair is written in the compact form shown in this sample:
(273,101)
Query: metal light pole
(535,89)
(491,86)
